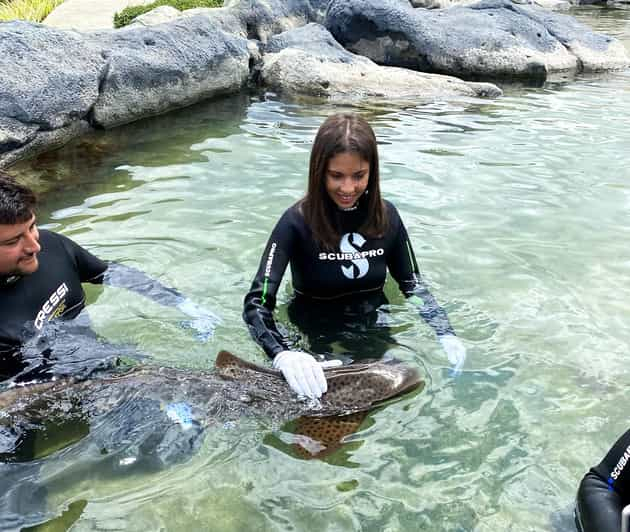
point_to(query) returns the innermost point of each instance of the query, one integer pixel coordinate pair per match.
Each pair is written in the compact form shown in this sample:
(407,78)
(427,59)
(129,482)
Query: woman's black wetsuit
(334,287)
(605,490)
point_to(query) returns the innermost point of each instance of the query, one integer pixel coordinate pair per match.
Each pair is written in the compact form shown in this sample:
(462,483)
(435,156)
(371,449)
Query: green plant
(33,10)
(127,15)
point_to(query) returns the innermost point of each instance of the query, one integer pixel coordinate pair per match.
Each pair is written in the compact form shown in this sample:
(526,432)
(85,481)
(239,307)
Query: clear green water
(519,213)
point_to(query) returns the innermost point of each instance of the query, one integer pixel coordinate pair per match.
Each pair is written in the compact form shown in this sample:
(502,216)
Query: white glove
(303,373)
(203,321)
(455,351)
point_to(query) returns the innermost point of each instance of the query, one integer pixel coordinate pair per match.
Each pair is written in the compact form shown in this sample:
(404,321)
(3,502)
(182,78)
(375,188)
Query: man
(41,274)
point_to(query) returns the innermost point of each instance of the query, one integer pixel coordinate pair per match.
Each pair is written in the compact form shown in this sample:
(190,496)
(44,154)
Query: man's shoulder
(51,240)
(57,244)
(52,236)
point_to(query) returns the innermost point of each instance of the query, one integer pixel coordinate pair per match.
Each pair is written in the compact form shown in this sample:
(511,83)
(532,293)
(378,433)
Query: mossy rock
(127,15)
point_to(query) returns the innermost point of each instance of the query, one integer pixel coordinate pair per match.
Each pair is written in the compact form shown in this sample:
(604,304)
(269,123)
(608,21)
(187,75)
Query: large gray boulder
(547,4)
(151,70)
(308,62)
(264,18)
(226,19)
(223,18)
(49,82)
(55,84)
(489,40)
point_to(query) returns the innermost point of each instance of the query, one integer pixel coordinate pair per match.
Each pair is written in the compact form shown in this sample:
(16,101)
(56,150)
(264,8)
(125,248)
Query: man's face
(19,246)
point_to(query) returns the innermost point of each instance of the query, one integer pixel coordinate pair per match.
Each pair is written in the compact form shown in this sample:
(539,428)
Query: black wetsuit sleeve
(93,270)
(89,267)
(123,276)
(403,267)
(605,490)
(260,301)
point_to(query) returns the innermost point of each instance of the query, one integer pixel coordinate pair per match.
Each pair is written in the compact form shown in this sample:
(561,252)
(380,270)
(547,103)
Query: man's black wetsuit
(605,490)
(53,291)
(332,286)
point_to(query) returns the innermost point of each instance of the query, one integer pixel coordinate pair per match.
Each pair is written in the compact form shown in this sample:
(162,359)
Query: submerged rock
(308,62)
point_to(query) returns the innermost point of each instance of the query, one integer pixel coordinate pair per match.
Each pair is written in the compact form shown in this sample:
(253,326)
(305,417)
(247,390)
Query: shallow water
(518,212)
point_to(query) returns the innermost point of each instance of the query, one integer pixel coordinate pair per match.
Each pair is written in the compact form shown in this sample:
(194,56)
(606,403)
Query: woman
(605,491)
(340,239)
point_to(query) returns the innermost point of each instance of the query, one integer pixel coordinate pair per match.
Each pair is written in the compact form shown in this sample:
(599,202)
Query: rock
(49,81)
(42,141)
(593,51)
(440,4)
(311,37)
(159,15)
(14,134)
(221,17)
(48,77)
(55,84)
(224,18)
(308,62)
(492,39)
(264,18)
(443,4)
(154,69)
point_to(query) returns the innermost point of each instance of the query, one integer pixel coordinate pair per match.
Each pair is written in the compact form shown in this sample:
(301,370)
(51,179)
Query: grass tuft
(127,15)
(33,10)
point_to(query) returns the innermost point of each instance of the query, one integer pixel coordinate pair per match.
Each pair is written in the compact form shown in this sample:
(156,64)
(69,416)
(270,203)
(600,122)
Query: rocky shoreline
(57,84)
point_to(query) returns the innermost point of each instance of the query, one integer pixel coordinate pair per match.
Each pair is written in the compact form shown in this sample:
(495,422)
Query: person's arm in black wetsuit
(605,490)
(302,372)
(260,301)
(93,270)
(122,276)
(403,267)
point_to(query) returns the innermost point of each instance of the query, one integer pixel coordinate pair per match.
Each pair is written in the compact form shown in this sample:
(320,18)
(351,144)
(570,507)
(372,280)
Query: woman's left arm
(401,262)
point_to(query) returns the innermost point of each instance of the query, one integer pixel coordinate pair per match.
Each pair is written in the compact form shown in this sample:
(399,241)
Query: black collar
(8,280)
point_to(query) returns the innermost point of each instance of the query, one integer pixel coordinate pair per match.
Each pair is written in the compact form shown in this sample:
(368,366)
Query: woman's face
(347,177)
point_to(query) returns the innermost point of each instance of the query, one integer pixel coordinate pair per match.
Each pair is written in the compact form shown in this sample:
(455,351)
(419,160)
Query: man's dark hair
(17,202)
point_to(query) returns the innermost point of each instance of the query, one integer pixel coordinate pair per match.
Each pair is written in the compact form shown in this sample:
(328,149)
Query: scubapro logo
(621,464)
(270,260)
(349,247)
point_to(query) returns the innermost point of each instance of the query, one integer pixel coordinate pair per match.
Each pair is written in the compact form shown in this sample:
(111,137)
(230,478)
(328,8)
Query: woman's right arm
(260,301)
(302,372)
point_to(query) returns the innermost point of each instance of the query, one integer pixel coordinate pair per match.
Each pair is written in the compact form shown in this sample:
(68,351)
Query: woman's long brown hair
(342,133)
